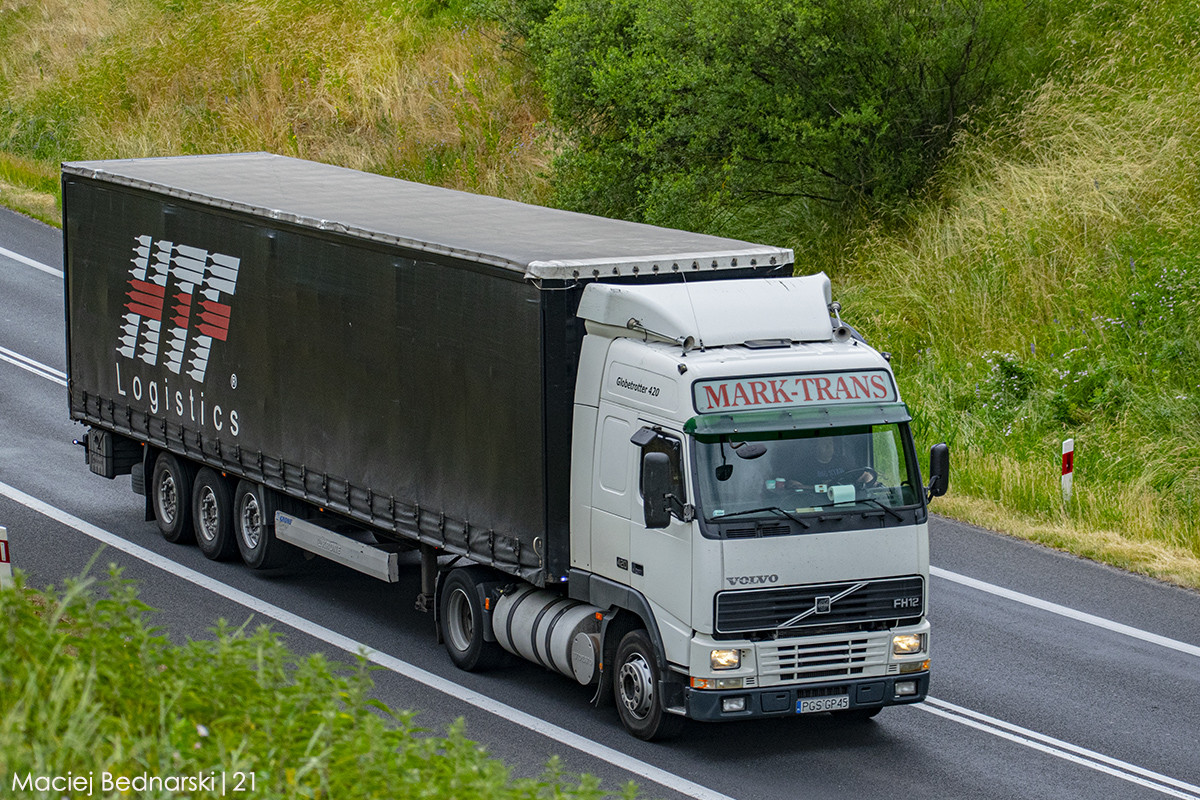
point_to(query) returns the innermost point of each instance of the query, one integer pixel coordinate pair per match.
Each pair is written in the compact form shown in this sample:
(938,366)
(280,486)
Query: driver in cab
(826,464)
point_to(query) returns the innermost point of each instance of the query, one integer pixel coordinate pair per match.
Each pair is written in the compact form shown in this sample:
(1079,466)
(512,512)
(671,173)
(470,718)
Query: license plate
(815,705)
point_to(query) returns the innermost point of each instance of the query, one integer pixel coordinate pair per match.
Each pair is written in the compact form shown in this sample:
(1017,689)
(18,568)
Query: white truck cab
(743,462)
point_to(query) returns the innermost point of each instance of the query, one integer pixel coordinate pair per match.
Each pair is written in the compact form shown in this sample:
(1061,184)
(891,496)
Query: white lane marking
(1070,613)
(335,639)
(36,367)
(29,262)
(1060,749)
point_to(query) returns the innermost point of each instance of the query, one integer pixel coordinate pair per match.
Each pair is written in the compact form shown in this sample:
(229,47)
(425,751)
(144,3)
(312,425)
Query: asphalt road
(1052,677)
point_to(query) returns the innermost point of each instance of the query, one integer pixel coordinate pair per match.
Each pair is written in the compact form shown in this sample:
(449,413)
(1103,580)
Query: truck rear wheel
(254,509)
(461,616)
(639,703)
(212,514)
(171,497)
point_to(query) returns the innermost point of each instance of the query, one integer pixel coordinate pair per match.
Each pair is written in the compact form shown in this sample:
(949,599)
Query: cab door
(661,558)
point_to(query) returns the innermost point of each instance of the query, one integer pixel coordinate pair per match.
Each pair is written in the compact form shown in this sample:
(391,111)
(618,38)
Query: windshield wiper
(888,509)
(787,514)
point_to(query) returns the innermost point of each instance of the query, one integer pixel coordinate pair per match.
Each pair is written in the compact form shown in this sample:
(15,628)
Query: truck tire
(212,516)
(636,689)
(171,497)
(254,509)
(461,617)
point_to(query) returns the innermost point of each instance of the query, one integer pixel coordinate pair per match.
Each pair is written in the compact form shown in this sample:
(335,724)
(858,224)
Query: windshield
(768,475)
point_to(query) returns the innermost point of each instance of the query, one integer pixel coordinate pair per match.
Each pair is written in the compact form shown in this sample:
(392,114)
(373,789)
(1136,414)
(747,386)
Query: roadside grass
(88,686)
(1049,287)
(417,89)
(31,187)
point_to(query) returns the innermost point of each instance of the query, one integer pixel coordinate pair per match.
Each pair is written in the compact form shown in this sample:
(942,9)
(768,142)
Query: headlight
(725,659)
(907,644)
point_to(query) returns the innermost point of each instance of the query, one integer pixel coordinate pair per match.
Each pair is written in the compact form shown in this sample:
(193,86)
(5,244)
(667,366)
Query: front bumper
(778,701)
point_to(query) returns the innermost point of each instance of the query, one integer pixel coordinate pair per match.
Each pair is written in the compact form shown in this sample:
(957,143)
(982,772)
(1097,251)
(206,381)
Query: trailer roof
(535,241)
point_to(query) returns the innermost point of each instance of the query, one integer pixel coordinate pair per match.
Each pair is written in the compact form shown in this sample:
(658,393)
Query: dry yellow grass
(29,187)
(365,84)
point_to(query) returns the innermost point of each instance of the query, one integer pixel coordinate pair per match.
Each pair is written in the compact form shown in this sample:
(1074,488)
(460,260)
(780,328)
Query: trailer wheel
(461,616)
(636,688)
(212,515)
(254,509)
(171,497)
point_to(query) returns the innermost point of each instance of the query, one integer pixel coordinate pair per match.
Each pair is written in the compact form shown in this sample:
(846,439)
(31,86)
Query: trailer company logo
(175,309)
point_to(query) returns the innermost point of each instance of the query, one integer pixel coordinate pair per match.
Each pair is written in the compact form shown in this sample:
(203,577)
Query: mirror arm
(687,511)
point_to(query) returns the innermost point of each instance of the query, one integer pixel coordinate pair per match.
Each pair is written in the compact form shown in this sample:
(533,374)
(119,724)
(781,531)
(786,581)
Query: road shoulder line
(29,262)
(1065,611)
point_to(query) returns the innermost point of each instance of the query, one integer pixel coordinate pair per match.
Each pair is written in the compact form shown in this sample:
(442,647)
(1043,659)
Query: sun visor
(751,422)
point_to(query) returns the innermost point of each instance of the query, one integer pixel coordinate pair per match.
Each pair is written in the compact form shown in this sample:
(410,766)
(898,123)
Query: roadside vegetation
(1047,285)
(88,686)
(1003,191)
(418,90)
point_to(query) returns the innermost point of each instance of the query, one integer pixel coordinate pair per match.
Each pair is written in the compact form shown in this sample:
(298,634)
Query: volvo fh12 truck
(650,460)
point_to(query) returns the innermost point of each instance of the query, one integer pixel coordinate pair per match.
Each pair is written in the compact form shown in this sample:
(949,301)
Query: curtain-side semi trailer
(650,460)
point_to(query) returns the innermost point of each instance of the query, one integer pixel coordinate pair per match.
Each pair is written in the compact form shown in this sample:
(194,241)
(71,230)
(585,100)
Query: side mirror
(656,486)
(939,470)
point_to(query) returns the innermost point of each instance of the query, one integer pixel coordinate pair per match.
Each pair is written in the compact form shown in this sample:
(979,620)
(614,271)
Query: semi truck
(653,461)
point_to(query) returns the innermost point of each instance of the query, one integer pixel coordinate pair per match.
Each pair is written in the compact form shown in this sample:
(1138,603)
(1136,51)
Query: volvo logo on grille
(823,604)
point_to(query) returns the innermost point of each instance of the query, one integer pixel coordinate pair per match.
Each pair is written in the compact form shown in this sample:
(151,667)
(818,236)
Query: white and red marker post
(1068,469)
(6,578)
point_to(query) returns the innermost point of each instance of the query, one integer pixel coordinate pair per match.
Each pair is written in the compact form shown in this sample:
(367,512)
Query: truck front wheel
(254,525)
(461,616)
(171,497)
(636,688)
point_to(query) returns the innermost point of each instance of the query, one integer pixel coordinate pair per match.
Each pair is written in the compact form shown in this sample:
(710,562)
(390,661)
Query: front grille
(854,603)
(823,658)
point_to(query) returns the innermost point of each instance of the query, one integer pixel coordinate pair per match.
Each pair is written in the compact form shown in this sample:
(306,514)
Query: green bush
(694,112)
(88,686)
